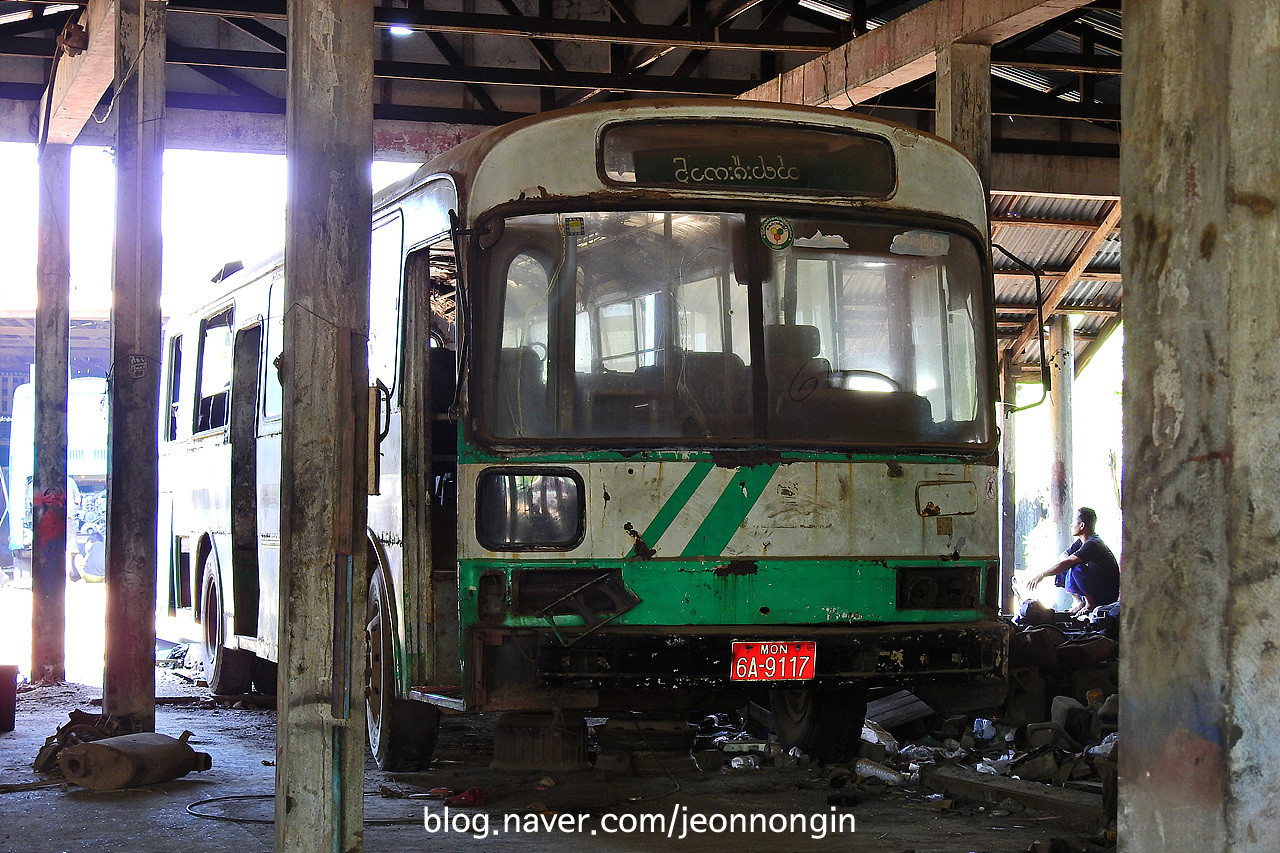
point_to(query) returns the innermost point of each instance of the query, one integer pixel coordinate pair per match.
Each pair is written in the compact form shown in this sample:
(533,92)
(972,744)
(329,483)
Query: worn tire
(825,724)
(402,732)
(227,671)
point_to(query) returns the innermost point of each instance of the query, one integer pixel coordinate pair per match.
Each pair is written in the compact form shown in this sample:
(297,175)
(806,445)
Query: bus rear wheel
(826,725)
(402,732)
(227,671)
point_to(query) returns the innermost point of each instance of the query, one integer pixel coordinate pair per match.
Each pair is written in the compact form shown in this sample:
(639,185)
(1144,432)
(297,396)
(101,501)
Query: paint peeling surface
(835,510)
(1169,408)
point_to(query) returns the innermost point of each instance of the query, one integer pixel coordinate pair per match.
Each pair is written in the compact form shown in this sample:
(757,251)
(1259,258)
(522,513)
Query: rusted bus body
(678,403)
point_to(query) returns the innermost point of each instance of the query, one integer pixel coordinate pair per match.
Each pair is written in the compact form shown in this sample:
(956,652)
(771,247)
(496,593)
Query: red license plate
(792,660)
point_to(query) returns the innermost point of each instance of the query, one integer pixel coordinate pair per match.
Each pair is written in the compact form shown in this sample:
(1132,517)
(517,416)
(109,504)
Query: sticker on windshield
(822,241)
(921,244)
(776,233)
(575,226)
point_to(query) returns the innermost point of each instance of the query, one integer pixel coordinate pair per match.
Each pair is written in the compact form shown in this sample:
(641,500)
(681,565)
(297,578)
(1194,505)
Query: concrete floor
(155,820)
(242,743)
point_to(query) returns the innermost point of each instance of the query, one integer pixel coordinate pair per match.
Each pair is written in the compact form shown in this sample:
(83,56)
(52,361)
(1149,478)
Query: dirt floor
(600,806)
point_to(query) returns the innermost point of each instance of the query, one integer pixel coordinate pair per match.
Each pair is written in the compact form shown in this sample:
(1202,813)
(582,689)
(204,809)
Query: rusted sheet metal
(404,138)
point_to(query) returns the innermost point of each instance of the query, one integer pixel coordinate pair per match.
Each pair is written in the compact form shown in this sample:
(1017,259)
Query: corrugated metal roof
(1049,233)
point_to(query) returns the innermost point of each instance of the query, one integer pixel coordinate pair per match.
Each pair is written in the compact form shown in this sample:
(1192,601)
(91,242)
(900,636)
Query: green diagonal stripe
(730,510)
(674,504)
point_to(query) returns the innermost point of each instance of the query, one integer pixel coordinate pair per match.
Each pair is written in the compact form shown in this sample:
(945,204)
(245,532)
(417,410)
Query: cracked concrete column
(323,582)
(49,485)
(1062,375)
(1200,177)
(129,681)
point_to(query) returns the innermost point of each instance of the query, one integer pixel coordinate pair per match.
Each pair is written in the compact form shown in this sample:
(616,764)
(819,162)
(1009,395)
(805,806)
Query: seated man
(1088,570)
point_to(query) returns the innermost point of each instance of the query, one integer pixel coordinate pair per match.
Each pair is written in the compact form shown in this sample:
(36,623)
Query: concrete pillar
(320,740)
(49,486)
(963,85)
(1008,495)
(1062,374)
(133,432)
(1200,174)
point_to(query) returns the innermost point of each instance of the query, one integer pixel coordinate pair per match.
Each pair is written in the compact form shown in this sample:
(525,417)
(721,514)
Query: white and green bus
(682,403)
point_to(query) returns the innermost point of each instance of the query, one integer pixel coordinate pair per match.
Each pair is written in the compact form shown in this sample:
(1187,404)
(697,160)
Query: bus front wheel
(227,671)
(826,725)
(402,732)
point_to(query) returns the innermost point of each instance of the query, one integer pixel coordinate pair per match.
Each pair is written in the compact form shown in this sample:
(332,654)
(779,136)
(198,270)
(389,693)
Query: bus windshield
(715,328)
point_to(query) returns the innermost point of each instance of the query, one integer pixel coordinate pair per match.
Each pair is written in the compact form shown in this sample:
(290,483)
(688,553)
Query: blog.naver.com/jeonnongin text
(677,824)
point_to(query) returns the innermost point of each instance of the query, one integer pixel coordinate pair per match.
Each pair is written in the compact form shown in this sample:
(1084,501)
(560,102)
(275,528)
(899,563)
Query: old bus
(682,403)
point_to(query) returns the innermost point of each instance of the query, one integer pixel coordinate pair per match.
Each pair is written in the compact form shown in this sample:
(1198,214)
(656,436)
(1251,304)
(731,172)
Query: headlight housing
(529,510)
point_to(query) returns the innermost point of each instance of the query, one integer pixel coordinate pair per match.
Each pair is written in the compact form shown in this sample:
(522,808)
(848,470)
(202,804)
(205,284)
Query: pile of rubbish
(1058,729)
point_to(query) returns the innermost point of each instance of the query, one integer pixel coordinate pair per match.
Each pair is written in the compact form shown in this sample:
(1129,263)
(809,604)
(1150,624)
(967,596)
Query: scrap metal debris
(82,727)
(128,761)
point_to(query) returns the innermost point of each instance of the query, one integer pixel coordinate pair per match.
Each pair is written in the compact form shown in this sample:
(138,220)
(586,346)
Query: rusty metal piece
(81,727)
(737,568)
(642,550)
(74,39)
(130,760)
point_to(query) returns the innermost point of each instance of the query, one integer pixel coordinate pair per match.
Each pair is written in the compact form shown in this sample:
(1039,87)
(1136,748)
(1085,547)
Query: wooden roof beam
(1089,275)
(1074,273)
(80,81)
(905,49)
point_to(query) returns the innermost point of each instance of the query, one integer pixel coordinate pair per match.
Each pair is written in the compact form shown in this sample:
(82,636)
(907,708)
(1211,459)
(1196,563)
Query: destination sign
(728,155)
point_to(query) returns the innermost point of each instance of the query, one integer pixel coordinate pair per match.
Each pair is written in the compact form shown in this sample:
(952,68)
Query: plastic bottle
(867,767)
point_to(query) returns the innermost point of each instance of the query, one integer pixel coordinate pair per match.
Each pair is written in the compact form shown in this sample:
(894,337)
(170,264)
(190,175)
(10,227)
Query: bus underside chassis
(402,732)
(687,669)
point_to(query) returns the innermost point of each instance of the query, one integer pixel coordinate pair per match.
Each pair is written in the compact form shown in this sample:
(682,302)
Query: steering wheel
(846,378)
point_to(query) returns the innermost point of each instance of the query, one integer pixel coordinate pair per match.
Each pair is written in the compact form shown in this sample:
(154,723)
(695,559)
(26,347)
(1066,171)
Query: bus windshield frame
(705,326)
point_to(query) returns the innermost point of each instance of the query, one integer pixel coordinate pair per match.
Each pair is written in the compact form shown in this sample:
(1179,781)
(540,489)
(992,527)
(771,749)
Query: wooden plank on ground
(963,782)
(898,709)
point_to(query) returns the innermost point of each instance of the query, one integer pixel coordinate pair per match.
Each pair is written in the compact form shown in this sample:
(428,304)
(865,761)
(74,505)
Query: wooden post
(49,485)
(133,432)
(320,742)
(963,96)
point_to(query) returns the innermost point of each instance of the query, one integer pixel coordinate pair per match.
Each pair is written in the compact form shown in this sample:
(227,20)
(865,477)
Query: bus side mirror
(378,428)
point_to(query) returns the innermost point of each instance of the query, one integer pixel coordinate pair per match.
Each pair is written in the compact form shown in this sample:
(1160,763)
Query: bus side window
(174,389)
(213,373)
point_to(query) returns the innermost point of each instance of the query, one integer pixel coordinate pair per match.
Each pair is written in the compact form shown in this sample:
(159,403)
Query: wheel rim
(375,670)
(211,617)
